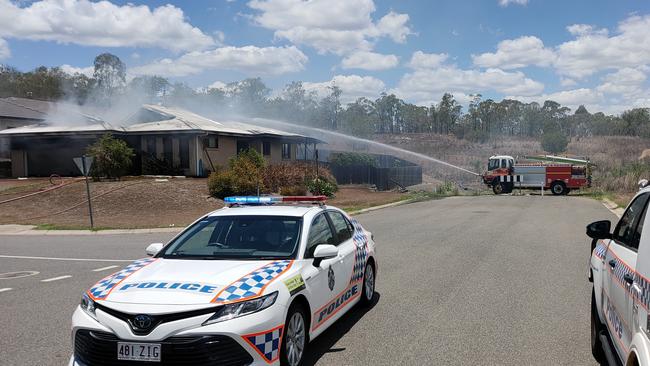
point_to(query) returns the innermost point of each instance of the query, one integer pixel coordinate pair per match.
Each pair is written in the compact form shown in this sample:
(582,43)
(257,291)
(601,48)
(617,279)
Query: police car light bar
(258,200)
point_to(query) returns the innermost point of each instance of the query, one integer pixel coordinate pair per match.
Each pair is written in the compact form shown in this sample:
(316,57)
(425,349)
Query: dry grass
(618,167)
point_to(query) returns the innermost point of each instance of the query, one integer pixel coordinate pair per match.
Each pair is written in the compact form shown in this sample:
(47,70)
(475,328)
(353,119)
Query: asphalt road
(472,280)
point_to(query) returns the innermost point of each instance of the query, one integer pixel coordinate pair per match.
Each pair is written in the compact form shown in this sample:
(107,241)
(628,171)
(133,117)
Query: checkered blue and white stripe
(268,343)
(644,296)
(360,252)
(600,250)
(102,288)
(253,283)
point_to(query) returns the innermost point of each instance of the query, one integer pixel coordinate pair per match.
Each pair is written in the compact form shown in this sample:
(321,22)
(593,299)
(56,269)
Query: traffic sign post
(84,163)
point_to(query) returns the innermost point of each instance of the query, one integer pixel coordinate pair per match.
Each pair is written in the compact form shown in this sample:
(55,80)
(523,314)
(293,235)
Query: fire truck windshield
(493,164)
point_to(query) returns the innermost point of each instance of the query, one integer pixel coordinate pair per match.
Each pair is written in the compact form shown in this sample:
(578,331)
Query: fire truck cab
(560,175)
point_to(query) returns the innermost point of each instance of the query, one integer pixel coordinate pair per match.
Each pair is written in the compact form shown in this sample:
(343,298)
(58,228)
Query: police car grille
(100,348)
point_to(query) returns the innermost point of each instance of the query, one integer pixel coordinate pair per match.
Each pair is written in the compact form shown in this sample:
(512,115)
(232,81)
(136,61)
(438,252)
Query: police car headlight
(88,305)
(231,311)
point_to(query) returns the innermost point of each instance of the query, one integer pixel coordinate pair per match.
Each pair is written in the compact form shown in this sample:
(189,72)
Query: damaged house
(163,138)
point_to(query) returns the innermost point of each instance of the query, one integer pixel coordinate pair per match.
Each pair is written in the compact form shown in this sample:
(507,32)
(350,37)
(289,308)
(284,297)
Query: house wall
(42,157)
(6,123)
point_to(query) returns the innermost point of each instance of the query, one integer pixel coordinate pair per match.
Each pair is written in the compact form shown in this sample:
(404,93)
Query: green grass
(69,227)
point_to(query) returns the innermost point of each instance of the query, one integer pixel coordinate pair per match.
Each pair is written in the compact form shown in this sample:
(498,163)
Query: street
(464,280)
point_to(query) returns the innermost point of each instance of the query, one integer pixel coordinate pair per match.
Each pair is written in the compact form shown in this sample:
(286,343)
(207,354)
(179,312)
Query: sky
(590,52)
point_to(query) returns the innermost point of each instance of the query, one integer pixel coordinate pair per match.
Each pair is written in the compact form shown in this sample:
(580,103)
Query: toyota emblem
(142,321)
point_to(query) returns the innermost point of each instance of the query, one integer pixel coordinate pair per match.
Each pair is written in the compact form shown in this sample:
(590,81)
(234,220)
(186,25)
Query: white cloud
(369,61)
(88,71)
(5,52)
(352,87)
(101,24)
(395,26)
(421,60)
(217,85)
(250,60)
(516,2)
(329,26)
(625,82)
(571,98)
(431,84)
(594,50)
(517,53)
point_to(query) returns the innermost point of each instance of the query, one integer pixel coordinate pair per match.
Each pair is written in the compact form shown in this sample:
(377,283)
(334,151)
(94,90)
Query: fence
(389,173)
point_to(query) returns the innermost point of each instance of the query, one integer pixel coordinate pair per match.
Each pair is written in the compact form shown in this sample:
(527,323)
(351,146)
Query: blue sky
(590,52)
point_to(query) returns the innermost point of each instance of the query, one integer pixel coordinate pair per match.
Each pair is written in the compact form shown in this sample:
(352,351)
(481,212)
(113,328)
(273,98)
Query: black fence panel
(383,178)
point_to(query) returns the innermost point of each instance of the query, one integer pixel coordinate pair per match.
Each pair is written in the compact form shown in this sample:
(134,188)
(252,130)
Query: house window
(213,142)
(286,151)
(266,148)
(242,146)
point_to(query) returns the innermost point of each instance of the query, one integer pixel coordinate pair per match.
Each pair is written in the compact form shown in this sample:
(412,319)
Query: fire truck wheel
(498,188)
(558,188)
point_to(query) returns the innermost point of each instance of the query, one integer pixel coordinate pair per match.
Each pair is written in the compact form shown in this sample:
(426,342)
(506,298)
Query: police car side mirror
(599,229)
(324,251)
(153,249)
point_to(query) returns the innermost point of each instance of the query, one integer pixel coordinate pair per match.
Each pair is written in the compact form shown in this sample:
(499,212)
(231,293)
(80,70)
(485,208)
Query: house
(164,139)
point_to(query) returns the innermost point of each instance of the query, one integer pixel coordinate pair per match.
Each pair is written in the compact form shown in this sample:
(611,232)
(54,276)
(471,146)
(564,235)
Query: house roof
(159,119)
(10,109)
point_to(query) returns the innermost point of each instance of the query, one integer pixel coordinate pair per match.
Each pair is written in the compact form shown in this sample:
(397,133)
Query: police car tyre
(368,293)
(596,327)
(294,339)
(558,188)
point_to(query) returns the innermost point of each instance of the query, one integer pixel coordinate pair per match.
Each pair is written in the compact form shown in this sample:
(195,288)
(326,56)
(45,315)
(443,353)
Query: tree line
(387,114)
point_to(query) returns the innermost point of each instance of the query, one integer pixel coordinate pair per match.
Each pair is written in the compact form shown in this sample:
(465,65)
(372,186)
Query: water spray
(321,132)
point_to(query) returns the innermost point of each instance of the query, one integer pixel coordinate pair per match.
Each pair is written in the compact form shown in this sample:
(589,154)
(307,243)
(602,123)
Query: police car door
(343,230)
(620,261)
(322,281)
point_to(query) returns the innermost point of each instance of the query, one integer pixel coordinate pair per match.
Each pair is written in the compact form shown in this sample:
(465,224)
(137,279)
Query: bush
(320,186)
(352,158)
(112,157)
(244,176)
(554,141)
(300,190)
(220,185)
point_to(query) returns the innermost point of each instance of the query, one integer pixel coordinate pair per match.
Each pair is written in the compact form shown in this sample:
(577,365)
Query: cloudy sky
(591,52)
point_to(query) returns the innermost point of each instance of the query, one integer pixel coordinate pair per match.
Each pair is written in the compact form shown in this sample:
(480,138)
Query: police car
(249,284)
(620,272)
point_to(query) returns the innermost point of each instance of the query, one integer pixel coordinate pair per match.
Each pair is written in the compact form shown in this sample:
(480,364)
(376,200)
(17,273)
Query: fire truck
(558,174)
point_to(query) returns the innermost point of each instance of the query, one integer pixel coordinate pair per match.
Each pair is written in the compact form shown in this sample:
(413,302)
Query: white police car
(243,285)
(620,272)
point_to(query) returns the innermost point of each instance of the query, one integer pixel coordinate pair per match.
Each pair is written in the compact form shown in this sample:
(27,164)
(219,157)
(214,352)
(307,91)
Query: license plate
(129,351)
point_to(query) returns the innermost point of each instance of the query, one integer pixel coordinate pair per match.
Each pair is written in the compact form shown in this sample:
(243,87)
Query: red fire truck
(559,174)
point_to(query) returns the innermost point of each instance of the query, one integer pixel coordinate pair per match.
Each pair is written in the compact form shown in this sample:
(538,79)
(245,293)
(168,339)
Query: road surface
(465,280)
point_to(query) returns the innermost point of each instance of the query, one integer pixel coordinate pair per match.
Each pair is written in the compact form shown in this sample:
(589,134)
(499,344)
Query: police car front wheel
(368,285)
(295,336)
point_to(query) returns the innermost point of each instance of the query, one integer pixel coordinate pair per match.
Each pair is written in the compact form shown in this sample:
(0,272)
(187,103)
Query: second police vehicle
(620,272)
(250,284)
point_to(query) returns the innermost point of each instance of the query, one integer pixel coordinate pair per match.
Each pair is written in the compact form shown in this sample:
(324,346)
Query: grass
(410,197)
(69,227)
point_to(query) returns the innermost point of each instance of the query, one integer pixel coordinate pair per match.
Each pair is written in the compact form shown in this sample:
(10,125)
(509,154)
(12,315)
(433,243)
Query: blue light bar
(251,199)
(257,200)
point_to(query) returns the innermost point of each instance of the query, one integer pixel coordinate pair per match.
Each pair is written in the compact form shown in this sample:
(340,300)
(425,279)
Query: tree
(554,141)
(110,76)
(112,157)
(151,87)
(331,107)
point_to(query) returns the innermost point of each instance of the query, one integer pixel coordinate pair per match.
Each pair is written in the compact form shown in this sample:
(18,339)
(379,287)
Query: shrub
(554,141)
(299,190)
(277,176)
(353,158)
(247,171)
(220,185)
(320,186)
(112,157)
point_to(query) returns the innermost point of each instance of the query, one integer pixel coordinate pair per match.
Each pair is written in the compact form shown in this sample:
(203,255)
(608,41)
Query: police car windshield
(238,237)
